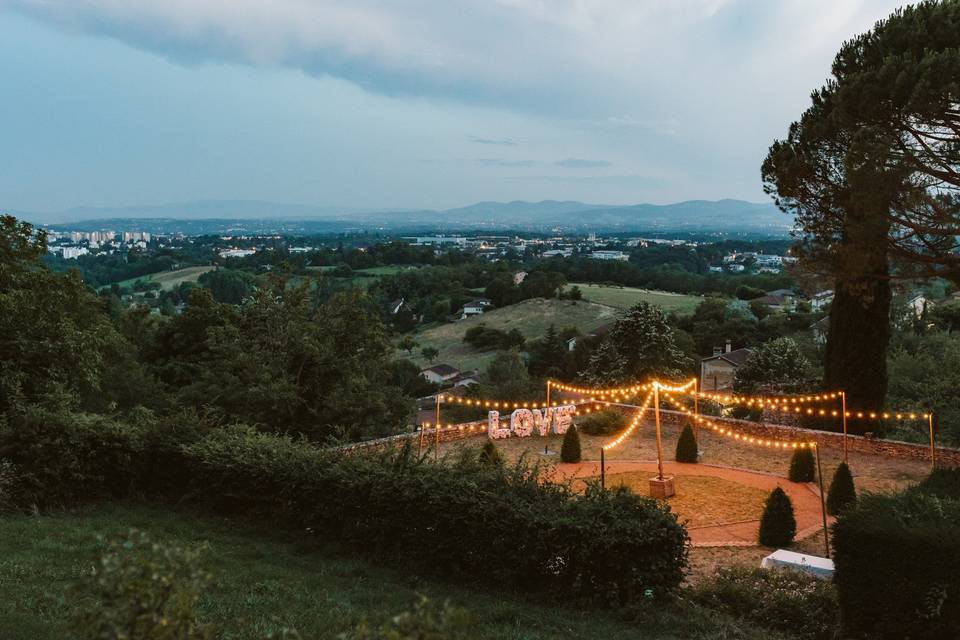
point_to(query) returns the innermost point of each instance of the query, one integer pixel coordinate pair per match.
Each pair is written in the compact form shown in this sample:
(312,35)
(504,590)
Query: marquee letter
(542,420)
(521,423)
(563,418)
(493,426)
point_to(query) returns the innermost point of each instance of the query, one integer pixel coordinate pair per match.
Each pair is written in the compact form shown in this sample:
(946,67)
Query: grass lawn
(169,279)
(263,582)
(626,297)
(530,317)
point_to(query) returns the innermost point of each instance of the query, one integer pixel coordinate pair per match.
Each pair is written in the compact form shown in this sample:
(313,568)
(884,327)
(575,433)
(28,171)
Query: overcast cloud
(377,103)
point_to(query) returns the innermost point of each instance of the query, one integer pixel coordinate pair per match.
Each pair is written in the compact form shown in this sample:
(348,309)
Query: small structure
(467,379)
(475,308)
(602,330)
(440,373)
(821,300)
(396,305)
(821,329)
(814,565)
(519,277)
(919,304)
(610,255)
(717,371)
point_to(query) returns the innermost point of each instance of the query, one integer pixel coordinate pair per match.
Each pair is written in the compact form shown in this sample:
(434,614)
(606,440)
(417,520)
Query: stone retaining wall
(457,432)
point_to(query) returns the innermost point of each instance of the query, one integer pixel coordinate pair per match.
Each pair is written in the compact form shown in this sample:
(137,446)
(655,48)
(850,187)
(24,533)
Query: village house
(821,300)
(475,308)
(717,371)
(440,373)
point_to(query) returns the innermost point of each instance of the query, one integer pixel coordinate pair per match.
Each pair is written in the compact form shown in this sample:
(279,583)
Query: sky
(380,104)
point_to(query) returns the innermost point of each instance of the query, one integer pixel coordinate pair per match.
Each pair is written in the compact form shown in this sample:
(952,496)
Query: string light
(775,402)
(725,431)
(632,426)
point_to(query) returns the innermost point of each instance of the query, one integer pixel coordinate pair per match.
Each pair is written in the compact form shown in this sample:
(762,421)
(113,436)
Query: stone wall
(447,434)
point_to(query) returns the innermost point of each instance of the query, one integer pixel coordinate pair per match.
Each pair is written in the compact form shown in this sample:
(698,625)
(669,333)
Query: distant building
(820,330)
(440,373)
(72,253)
(236,253)
(602,330)
(563,253)
(438,240)
(735,268)
(779,300)
(820,300)
(919,304)
(519,277)
(396,305)
(475,308)
(717,372)
(716,269)
(610,255)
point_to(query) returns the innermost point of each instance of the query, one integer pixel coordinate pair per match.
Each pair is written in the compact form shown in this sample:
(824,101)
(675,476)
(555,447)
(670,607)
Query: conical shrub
(686,445)
(802,465)
(570,450)
(490,455)
(777,525)
(842,493)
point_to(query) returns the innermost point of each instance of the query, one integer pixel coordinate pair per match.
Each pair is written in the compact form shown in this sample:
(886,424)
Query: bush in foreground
(802,465)
(490,454)
(778,599)
(842,493)
(686,445)
(942,482)
(570,449)
(425,621)
(898,567)
(602,423)
(777,524)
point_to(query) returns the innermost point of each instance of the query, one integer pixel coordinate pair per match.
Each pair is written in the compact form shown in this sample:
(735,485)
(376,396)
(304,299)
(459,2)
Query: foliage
(8,485)
(490,454)
(788,601)
(777,524)
(925,372)
(506,377)
(601,423)
(777,362)
(425,621)
(229,286)
(943,482)
(803,466)
(485,338)
(842,493)
(142,589)
(898,566)
(686,445)
(430,353)
(570,449)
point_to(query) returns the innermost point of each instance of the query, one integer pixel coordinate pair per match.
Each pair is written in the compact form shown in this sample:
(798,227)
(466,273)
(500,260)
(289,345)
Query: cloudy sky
(404,103)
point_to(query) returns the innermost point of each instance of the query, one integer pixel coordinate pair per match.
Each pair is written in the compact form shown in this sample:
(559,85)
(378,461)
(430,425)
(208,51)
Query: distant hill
(216,216)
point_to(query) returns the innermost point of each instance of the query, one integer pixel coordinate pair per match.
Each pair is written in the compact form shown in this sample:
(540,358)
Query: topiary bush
(570,449)
(602,423)
(142,589)
(842,493)
(490,454)
(802,465)
(777,524)
(897,563)
(686,445)
(779,599)
(942,482)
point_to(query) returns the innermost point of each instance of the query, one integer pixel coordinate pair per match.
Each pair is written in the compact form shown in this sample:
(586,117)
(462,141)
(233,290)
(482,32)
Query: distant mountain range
(213,216)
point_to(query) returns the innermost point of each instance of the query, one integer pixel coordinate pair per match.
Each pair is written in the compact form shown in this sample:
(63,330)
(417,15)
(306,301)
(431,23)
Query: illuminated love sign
(524,421)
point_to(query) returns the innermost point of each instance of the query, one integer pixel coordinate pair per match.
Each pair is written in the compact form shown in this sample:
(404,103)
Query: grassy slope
(170,279)
(626,297)
(263,582)
(530,317)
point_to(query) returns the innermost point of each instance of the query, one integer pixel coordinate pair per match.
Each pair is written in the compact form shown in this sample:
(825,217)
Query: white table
(814,565)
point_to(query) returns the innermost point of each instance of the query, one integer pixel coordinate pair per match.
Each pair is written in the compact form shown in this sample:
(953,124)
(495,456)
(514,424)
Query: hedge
(898,566)
(459,517)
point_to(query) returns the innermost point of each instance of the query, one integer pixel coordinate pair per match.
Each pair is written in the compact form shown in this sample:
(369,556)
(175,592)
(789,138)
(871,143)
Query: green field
(626,297)
(263,582)
(364,277)
(530,317)
(170,279)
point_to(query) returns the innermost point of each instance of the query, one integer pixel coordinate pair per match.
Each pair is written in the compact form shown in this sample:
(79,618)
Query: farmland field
(170,279)
(626,297)
(530,317)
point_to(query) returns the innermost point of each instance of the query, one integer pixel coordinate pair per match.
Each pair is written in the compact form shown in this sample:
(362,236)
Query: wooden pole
(436,427)
(696,411)
(546,441)
(933,449)
(843,401)
(656,405)
(603,470)
(823,502)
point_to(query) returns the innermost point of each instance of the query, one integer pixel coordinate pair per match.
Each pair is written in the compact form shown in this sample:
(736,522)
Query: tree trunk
(856,351)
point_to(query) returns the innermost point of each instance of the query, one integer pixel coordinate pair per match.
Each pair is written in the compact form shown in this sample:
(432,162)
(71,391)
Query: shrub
(942,482)
(686,445)
(777,524)
(8,485)
(602,423)
(842,493)
(425,620)
(802,465)
(490,454)
(142,589)
(898,566)
(570,449)
(778,599)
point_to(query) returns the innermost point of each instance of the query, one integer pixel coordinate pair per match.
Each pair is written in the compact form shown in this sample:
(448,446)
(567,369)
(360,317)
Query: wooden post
(436,448)
(603,470)
(546,441)
(823,501)
(843,401)
(696,411)
(656,408)
(933,449)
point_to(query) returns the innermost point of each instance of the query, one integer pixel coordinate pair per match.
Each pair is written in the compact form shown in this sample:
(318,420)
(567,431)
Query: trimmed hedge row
(462,517)
(898,566)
